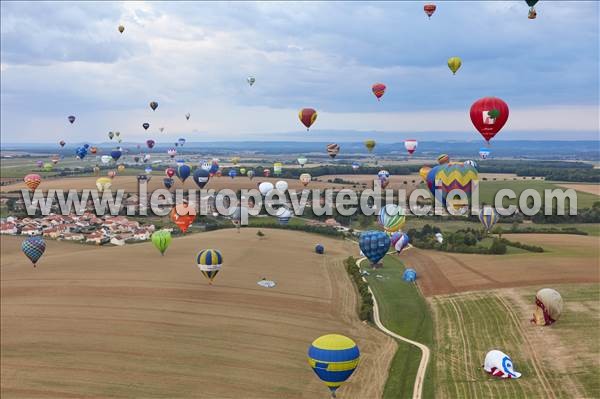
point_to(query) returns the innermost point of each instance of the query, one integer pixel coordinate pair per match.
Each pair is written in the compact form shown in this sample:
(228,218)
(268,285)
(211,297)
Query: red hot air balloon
(378,90)
(266,172)
(307,116)
(170,172)
(429,9)
(489,114)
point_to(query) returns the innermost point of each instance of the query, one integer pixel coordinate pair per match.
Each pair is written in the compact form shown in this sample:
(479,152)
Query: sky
(68,58)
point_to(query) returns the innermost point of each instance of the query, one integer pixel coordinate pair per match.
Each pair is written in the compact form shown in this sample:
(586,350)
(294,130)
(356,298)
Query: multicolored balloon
(548,307)
(305,178)
(33,248)
(454,63)
(183,216)
(488,217)
(209,261)
(378,90)
(429,9)
(391,218)
(307,116)
(32,181)
(484,153)
(411,145)
(401,243)
(332,150)
(333,358)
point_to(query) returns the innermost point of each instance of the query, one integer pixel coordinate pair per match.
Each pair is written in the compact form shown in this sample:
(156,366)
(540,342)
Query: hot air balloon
(209,261)
(105,159)
(121,168)
(150,143)
(266,172)
(277,168)
(302,161)
(500,365)
(183,216)
(47,167)
(183,171)
(391,218)
(96,170)
(153,105)
(439,237)
(170,172)
(39,164)
(332,150)
(145,125)
(242,171)
(161,129)
(305,178)
(320,249)
(378,90)
(117,134)
(93,150)
(201,177)
(71,119)
(187,116)
(181,141)
(384,178)
(33,248)
(443,159)
(423,173)
(411,145)
(235,160)
(116,154)
(409,275)
(55,159)
(62,143)
(401,243)
(374,245)
(32,181)
(172,152)
(454,64)
(148,170)
(283,215)
(232,173)
(355,165)
(103,183)
(532,13)
(146,158)
(333,358)
(111,135)
(488,217)
(370,144)
(489,115)
(548,307)
(214,167)
(452,176)
(168,182)
(250,80)
(250,174)
(161,240)
(429,9)
(484,153)
(111,174)
(281,186)
(265,187)
(121,29)
(307,116)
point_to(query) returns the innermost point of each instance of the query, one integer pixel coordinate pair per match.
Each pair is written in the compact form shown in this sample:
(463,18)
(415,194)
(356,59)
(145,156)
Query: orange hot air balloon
(307,116)
(32,181)
(378,90)
(93,150)
(183,216)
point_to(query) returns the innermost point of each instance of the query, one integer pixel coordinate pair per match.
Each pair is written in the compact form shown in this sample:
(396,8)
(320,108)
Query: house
(141,235)
(95,238)
(117,241)
(73,236)
(51,232)
(8,228)
(31,230)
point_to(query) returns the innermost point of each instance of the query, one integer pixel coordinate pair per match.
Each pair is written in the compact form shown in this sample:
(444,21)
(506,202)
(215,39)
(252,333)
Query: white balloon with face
(499,364)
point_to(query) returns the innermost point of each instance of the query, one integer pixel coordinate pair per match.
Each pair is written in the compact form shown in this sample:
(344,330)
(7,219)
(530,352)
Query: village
(86,228)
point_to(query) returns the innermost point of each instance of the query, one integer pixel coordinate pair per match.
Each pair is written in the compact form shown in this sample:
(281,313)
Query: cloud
(68,58)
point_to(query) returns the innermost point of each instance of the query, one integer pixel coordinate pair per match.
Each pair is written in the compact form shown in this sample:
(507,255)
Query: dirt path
(425,352)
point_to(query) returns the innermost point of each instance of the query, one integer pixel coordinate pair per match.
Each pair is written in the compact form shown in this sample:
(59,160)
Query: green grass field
(468,325)
(404,311)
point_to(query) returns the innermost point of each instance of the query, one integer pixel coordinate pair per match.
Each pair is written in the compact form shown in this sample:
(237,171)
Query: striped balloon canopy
(333,149)
(33,248)
(32,181)
(209,261)
(307,116)
(333,358)
(391,218)
(374,245)
(488,217)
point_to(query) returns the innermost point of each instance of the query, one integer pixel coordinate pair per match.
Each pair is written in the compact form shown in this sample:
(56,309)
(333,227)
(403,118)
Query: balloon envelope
(33,248)
(489,115)
(374,245)
(32,181)
(307,116)
(209,262)
(161,240)
(201,177)
(548,307)
(333,358)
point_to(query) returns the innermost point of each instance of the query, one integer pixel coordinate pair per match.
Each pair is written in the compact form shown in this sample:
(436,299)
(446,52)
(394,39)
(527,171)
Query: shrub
(365,310)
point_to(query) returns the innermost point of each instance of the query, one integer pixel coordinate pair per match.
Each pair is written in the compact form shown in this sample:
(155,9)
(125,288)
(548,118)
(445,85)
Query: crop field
(560,361)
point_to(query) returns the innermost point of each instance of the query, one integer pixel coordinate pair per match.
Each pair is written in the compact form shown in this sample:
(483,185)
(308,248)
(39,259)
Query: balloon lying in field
(266,283)
(333,358)
(548,307)
(409,275)
(500,365)
(320,249)
(374,245)
(33,248)
(209,262)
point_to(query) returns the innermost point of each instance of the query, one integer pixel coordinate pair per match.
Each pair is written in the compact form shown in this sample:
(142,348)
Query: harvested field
(583,187)
(126,322)
(568,259)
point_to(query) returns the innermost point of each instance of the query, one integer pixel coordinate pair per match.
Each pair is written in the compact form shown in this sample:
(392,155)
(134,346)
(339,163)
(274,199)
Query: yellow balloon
(121,168)
(423,173)
(103,183)
(454,64)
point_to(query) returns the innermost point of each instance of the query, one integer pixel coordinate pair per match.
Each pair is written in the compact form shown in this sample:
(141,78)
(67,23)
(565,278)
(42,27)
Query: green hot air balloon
(161,240)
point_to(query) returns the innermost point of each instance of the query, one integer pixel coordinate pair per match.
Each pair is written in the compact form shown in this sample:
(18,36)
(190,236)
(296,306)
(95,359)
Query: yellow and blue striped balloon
(488,218)
(333,358)
(209,261)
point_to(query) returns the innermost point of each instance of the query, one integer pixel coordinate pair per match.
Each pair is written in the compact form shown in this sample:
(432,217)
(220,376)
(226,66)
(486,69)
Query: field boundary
(425,352)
